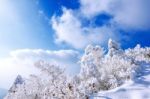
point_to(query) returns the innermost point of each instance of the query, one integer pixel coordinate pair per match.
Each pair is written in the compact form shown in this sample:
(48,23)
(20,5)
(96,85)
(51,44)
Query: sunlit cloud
(21,62)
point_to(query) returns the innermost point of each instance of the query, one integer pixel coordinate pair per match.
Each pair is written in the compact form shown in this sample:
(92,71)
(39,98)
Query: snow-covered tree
(99,71)
(114,48)
(138,53)
(52,83)
(89,61)
(49,84)
(103,72)
(17,90)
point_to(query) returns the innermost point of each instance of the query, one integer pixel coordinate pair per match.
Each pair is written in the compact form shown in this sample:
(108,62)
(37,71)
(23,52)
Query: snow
(137,88)
(117,74)
(19,80)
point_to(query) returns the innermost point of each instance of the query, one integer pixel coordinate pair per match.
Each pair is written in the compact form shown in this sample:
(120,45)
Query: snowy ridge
(137,88)
(117,74)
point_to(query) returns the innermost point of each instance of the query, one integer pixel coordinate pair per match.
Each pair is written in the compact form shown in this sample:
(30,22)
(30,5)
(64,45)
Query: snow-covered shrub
(99,71)
(90,60)
(139,54)
(52,83)
(17,90)
(49,84)
(114,48)
(139,57)
(115,70)
(104,72)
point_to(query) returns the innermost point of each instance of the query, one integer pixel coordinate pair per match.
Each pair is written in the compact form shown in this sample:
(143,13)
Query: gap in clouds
(88,22)
(51,7)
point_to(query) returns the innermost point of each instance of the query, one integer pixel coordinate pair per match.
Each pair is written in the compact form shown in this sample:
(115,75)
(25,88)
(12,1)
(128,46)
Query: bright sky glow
(61,26)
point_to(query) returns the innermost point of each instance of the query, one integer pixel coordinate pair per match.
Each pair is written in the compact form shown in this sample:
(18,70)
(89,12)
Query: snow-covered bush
(99,71)
(114,48)
(52,83)
(139,54)
(103,72)
(17,90)
(48,85)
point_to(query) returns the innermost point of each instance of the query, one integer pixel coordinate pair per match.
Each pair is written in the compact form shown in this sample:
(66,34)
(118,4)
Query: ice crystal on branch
(99,71)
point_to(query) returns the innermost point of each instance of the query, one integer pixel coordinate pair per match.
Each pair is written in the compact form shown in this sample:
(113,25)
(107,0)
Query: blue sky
(30,25)
(43,29)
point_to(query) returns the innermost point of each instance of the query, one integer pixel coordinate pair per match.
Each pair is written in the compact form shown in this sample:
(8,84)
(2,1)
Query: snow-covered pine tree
(17,90)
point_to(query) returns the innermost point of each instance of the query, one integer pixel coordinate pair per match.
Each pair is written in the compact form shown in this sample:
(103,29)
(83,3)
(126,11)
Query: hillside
(137,88)
(115,74)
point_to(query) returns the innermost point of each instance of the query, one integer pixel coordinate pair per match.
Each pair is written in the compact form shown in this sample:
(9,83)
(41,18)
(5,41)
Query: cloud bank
(126,15)
(22,62)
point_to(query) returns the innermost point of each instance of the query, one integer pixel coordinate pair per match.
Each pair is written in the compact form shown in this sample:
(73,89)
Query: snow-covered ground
(138,88)
(99,71)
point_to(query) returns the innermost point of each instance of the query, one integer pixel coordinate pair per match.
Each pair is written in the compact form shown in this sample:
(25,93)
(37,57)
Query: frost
(100,71)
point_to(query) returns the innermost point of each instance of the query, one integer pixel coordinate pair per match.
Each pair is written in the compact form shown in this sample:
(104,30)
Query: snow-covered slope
(138,88)
(117,74)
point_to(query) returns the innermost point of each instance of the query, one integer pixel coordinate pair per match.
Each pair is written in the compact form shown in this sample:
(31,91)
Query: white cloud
(69,29)
(132,14)
(21,27)
(91,8)
(126,15)
(129,14)
(22,62)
